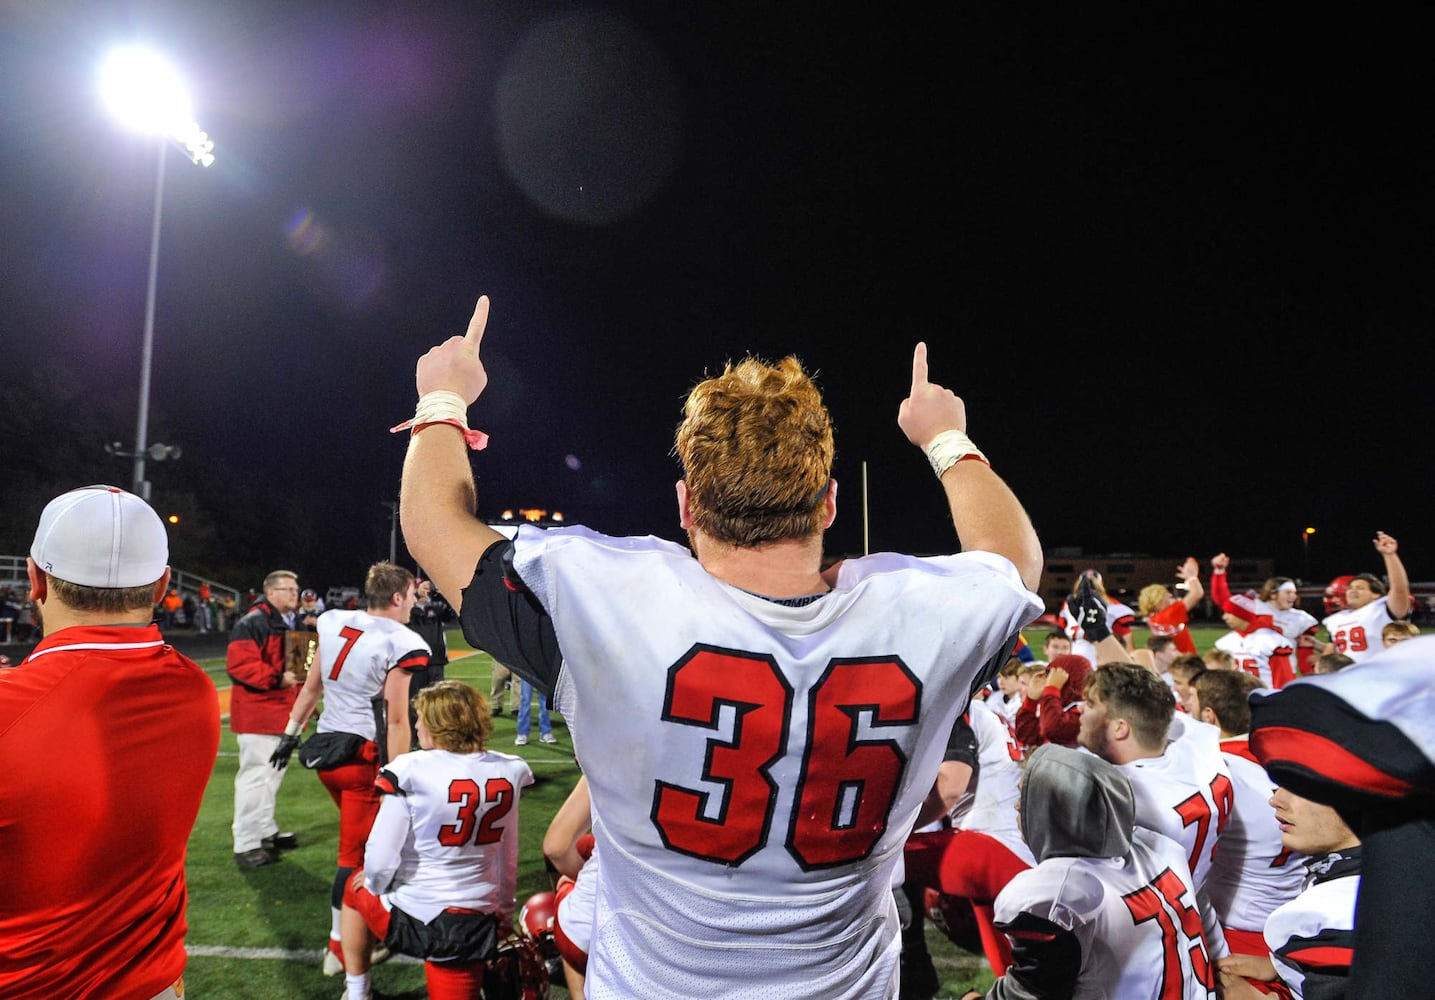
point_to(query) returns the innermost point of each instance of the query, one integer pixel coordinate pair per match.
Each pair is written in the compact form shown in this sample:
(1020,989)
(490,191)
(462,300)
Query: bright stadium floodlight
(144,93)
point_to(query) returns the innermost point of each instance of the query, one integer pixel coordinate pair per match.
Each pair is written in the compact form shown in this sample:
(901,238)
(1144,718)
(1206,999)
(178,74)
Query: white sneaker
(547,738)
(520,741)
(333,964)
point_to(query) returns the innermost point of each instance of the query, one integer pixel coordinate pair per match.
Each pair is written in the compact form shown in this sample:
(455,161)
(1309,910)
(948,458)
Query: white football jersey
(1294,623)
(1252,873)
(755,767)
(1262,653)
(356,652)
(993,809)
(1187,795)
(1356,631)
(1135,919)
(1316,930)
(447,832)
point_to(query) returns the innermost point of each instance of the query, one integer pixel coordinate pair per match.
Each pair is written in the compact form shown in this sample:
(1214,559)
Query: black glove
(1089,610)
(280,758)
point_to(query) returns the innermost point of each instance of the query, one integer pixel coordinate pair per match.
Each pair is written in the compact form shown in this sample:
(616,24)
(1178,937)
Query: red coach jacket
(255,663)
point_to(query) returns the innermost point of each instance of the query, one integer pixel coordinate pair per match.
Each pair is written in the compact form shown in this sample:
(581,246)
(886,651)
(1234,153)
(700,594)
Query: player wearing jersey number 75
(758,734)
(365,658)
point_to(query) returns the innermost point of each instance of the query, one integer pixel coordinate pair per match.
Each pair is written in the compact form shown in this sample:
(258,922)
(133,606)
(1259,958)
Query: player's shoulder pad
(1061,891)
(387,783)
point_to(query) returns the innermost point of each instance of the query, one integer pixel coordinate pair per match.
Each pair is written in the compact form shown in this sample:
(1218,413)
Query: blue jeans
(525,711)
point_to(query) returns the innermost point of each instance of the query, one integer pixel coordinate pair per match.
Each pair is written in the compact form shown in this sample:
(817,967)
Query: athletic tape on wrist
(950,447)
(443,407)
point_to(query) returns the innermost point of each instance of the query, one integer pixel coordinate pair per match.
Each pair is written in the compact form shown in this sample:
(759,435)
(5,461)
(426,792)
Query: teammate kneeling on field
(449,823)
(1110,908)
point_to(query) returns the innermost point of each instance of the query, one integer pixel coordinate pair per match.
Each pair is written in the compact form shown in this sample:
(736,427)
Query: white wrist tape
(292,729)
(440,406)
(950,447)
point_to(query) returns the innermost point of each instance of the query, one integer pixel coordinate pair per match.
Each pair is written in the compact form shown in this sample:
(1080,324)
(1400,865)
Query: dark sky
(1178,262)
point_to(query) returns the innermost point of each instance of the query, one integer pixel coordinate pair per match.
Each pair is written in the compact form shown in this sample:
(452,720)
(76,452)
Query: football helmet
(535,921)
(535,917)
(517,972)
(1335,594)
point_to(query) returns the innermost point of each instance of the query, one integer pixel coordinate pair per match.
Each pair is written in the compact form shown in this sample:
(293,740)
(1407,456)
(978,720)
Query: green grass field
(259,934)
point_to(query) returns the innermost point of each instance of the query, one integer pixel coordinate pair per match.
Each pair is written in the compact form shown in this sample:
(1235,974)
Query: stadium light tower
(145,94)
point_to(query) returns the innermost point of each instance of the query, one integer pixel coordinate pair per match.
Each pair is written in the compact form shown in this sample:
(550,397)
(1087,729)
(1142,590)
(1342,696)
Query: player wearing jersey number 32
(758,735)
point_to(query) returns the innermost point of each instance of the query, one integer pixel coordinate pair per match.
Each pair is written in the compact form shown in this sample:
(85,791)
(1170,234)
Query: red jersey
(1172,620)
(109,737)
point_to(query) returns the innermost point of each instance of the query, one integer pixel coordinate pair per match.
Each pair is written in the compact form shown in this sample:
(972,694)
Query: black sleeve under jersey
(501,617)
(962,743)
(1046,961)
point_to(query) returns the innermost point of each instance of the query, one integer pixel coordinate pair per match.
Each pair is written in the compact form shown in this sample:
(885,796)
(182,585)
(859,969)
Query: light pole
(146,94)
(1305,541)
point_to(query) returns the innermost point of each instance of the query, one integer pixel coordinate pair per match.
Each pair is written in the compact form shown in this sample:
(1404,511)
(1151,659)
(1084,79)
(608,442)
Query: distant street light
(1305,541)
(145,94)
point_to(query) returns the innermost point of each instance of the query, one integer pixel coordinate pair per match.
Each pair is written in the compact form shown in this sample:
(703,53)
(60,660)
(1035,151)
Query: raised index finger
(476,325)
(919,366)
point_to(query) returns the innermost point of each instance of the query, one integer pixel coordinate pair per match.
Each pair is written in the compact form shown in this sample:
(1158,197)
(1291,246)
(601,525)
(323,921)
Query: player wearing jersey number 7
(758,734)
(363,673)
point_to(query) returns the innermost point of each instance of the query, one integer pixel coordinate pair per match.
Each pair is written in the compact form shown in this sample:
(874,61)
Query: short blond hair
(756,447)
(1148,602)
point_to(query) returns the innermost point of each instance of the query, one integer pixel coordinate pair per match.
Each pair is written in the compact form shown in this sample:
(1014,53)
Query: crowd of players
(779,757)
(1096,739)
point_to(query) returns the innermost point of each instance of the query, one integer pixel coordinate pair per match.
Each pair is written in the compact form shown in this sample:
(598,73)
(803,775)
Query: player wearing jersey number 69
(363,674)
(758,735)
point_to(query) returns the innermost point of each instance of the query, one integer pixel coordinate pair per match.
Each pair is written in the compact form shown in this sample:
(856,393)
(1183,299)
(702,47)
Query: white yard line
(315,955)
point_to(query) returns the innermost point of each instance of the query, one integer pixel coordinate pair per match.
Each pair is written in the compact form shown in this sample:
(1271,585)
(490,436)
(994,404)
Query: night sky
(1177,261)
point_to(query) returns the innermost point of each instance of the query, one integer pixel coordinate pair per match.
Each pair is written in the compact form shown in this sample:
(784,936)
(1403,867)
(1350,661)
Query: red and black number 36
(846,785)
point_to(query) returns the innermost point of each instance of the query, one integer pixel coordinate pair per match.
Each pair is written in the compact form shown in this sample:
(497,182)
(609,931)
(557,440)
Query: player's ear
(39,583)
(685,520)
(831,501)
(162,587)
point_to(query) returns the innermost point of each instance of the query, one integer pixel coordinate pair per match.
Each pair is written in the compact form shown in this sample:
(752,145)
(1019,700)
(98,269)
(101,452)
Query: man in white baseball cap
(94,829)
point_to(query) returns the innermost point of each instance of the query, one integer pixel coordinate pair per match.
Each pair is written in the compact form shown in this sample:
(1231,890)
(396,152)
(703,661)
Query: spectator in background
(311,606)
(525,716)
(171,609)
(1165,614)
(430,619)
(205,607)
(9,612)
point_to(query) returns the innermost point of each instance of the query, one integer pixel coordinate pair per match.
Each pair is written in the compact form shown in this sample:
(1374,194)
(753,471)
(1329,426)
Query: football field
(259,934)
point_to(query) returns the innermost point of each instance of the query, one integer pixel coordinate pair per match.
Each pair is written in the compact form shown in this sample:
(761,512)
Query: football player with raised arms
(758,734)
(1369,605)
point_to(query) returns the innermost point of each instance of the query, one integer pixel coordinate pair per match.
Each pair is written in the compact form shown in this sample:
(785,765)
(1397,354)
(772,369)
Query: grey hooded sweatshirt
(1110,909)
